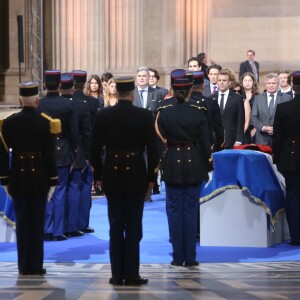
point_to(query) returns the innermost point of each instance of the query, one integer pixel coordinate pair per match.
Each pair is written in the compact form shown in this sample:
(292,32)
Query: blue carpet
(155,246)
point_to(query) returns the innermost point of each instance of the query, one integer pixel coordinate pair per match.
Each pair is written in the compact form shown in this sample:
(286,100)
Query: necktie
(253,66)
(142,98)
(214,89)
(271,105)
(222,104)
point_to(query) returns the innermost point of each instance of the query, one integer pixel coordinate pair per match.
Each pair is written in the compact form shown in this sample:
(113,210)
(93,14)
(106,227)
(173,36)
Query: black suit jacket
(246,67)
(33,166)
(125,131)
(233,118)
(286,136)
(214,118)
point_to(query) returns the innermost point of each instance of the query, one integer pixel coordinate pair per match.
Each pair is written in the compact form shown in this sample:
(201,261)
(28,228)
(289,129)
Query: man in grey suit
(144,95)
(264,108)
(211,87)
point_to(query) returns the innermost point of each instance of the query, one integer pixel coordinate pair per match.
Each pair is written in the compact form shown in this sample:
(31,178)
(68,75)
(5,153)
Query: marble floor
(207,281)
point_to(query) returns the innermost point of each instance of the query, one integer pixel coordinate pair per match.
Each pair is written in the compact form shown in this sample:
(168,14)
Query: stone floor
(207,281)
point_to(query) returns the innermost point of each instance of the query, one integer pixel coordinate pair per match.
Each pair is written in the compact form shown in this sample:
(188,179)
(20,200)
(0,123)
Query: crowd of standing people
(116,134)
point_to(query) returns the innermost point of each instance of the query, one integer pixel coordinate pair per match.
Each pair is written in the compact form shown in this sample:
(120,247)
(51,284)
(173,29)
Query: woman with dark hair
(183,129)
(249,91)
(93,88)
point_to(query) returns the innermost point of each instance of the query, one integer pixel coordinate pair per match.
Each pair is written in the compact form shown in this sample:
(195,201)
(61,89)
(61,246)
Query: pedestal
(230,219)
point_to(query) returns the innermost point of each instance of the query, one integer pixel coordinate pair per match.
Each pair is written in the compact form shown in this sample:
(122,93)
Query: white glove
(51,192)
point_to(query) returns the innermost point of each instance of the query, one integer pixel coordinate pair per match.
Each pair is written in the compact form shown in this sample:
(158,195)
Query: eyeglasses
(237,91)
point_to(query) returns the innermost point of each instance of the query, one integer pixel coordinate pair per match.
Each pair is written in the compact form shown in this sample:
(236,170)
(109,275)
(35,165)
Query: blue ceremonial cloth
(7,211)
(251,172)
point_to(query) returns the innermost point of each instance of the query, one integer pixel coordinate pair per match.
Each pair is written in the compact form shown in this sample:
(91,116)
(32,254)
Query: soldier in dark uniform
(183,129)
(286,151)
(31,174)
(66,146)
(74,195)
(125,177)
(85,204)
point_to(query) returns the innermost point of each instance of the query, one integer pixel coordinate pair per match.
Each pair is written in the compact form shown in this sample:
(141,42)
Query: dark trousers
(292,181)
(85,202)
(182,207)
(30,217)
(125,213)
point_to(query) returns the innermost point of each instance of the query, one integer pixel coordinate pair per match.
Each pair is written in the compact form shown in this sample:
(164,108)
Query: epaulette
(161,107)
(199,107)
(55,124)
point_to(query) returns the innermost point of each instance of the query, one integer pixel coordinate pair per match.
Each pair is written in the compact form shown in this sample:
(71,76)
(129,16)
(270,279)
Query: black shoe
(74,234)
(295,243)
(148,198)
(42,272)
(48,237)
(115,281)
(192,264)
(176,264)
(136,281)
(59,238)
(88,230)
(156,192)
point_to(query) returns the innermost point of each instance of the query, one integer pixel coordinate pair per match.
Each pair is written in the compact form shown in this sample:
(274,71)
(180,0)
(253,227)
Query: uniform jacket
(33,166)
(260,116)
(214,119)
(185,131)
(61,108)
(233,118)
(84,129)
(152,100)
(126,131)
(286,137)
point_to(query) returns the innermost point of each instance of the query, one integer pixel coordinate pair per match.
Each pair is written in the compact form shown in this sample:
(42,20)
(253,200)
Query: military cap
(189,75)
(198,77)
(182,84)
(52,76)
(125,84)
(66,80)
(79,76)
(28,88)
(176,74)
(296,78)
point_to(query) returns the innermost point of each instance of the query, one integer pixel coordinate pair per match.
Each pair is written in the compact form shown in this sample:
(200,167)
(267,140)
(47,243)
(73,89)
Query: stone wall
(121,35)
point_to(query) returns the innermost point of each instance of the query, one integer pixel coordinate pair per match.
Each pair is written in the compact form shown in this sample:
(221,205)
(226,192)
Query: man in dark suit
(66,146)
(125,178)
(31,174)
(153,79)
(286,151)
(232,111)
(211,110)
(250,65)
(264,108)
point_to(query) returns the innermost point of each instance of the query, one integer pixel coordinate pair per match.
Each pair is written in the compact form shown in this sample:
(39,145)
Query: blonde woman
(111,95)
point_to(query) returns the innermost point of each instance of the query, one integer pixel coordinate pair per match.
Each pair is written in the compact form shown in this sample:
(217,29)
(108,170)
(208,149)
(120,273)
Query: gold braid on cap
(55,124)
